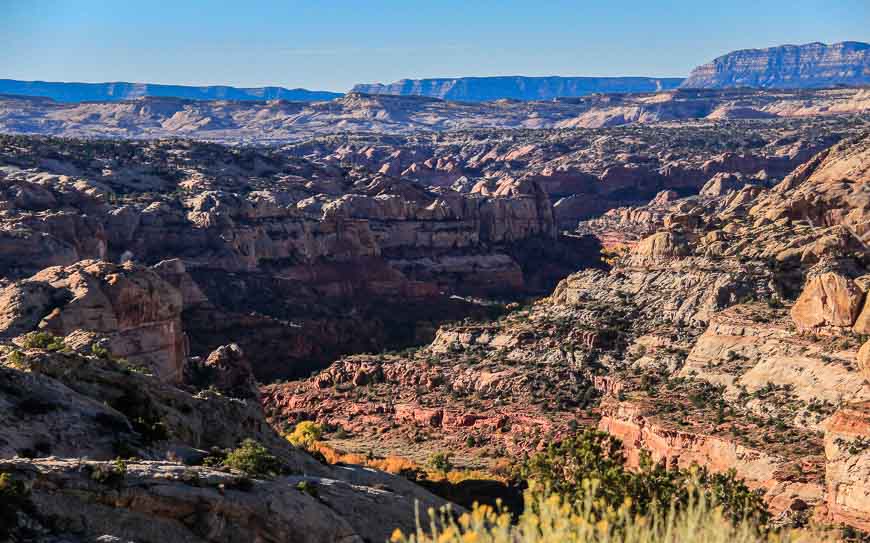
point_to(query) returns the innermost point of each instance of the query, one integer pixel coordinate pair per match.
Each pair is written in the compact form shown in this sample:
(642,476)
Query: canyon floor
(693,281)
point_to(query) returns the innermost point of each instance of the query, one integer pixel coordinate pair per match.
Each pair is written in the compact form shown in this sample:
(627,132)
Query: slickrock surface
(810,65)
(131,306)
(283,121)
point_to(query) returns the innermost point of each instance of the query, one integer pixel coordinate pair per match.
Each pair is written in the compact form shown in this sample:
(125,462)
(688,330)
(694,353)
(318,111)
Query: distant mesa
(813,65)
(485,89)
(111,92)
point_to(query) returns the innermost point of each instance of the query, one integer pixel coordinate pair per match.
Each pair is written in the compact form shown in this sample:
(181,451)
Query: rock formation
(812,65)
(283,121)
(724,337)
(131,306)
(61,407)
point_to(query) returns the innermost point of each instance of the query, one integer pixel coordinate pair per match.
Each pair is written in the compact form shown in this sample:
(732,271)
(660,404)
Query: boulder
(231,372)
(828,299)
(659,248)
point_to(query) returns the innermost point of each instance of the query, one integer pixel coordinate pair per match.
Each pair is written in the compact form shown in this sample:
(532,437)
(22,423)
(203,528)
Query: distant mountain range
(107,92)
(484,89)
(812,65)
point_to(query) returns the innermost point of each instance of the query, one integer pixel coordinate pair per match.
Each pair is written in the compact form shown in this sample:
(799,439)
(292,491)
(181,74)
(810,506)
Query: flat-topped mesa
(787,66)
(482,89)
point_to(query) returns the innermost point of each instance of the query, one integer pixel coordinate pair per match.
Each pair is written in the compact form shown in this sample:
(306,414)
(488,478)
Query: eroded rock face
(163,501)
(664,443)
(847,448)
(864,359)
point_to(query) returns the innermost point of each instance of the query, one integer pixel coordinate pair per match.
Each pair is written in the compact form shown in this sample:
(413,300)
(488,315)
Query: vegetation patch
(14,497)
(254,460)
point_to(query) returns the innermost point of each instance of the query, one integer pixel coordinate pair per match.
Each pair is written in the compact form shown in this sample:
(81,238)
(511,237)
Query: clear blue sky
(332,44)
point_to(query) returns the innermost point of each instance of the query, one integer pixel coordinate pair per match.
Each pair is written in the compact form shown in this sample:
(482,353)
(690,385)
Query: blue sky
(331,45)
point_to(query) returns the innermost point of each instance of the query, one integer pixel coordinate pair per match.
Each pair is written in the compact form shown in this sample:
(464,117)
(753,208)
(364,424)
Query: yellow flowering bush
(305,434)
(554,520)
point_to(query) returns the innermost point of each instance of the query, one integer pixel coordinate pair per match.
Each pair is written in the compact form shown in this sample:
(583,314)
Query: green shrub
(254,460)
(441,462)
(17,358)
(566,469)
(110,474)
(43,340)
(307,487)
(99,351)
(14,497)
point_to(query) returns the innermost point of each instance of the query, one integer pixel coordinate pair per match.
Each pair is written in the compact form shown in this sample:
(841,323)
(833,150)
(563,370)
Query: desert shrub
(43,340)
(307,487)
(100,351)
(305,434)
(552,518)
(109,474)
(568,468)
(441,462)
(14,497)
(17,358)
(254,460)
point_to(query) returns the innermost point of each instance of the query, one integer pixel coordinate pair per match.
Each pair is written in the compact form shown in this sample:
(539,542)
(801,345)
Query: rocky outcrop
(230,372)
(59,408)
(864,360)
(137,311)
(787,67)
(828,299)
(828,190)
